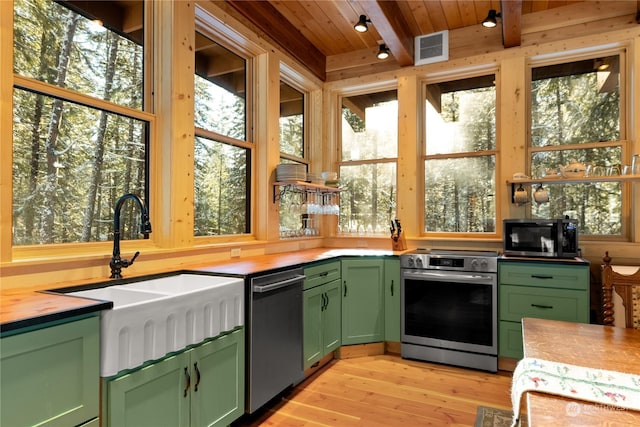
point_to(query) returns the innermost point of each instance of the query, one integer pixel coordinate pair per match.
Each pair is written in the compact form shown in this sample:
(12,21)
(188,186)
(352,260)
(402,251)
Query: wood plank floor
(386,390)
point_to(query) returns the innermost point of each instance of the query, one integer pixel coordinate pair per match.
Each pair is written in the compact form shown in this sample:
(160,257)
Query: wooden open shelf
(281,187)
(559,180)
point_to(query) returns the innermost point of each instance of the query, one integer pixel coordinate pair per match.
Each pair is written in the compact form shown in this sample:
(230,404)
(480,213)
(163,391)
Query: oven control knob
(419,262)
(474,264)
(484,264)
(410,262)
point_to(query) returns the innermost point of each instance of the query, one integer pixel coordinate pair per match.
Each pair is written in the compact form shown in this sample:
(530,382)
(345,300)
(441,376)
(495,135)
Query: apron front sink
(152,318)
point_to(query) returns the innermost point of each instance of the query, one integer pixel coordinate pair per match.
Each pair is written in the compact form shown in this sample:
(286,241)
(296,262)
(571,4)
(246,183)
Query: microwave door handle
(450,277)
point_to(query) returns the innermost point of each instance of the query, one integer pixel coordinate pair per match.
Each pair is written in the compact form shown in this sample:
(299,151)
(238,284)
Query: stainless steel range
(450,307)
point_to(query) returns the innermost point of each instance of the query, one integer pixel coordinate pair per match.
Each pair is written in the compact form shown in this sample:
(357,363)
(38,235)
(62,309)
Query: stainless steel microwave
(551,238)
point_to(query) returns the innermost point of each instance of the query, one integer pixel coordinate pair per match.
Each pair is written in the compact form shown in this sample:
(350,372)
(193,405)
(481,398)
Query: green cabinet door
(217,381)
(322,323)
(331,317)
(362,300)
(313,302)
(203,386)
(156,395)
(50,376)
(392,299)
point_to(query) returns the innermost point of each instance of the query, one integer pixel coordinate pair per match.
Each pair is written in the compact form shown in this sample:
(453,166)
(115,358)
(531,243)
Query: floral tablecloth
(617,389)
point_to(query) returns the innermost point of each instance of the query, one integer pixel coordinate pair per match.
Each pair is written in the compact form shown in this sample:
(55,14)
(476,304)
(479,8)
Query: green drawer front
(320,274)
(517,302)
(510,340)
(544,275)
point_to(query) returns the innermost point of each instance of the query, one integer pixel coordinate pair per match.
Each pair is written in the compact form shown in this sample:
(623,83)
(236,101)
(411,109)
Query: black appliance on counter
(549,238)
(449,307)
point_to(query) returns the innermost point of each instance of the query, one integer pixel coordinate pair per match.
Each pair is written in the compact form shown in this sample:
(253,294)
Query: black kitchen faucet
(117,263)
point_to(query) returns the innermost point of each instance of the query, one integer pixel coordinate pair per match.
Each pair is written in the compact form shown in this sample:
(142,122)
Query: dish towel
(609,388)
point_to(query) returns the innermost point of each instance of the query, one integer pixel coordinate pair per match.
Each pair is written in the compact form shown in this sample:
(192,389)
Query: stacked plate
(291,172)
(315,178)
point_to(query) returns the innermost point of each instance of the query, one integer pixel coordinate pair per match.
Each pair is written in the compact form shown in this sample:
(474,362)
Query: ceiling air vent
(432,47)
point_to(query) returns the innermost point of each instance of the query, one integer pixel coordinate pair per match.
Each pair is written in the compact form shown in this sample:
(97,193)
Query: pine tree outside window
(369,158)
(222,156)
(80,135)
(576,115)
(460,156)
(294,220)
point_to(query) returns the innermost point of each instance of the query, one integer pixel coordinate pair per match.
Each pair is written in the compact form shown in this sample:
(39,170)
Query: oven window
(449,311)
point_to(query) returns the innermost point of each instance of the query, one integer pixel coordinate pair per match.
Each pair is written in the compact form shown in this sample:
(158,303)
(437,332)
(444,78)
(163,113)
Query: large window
(222,156)
(460,156)
(576,117)
(295,220)
(80,137)
(369,150)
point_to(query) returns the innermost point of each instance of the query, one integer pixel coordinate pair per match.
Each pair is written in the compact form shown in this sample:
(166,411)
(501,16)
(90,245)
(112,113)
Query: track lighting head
(361,26)
(492,19)
(383,52)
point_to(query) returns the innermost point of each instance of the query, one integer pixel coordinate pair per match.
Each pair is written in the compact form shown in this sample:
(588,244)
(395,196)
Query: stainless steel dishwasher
(275,335)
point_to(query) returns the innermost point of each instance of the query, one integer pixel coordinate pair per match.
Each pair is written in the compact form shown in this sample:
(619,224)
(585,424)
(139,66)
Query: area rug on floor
(493,417)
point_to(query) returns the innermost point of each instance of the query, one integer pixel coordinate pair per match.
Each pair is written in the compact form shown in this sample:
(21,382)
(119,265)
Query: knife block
(400,244)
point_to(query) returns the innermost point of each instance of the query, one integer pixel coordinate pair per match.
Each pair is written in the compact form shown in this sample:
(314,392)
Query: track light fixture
(492,19)
(383,52)
(361,26)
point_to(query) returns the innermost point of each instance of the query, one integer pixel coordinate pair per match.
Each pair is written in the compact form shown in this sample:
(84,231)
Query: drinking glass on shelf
(635,164)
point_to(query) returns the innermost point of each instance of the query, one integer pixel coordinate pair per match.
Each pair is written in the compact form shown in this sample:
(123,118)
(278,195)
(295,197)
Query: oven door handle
(450,276)
(277,285)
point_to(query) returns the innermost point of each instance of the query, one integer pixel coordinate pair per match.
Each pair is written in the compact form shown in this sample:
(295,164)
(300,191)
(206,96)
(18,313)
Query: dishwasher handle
(277,285)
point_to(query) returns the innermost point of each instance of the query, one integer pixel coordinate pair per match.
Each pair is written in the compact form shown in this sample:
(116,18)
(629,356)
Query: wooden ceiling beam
(511,23)
(264,16)
(387,17)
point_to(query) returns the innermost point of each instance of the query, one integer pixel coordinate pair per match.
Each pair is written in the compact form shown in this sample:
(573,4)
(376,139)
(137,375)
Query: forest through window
(460,156)
(74,156)
(576,117)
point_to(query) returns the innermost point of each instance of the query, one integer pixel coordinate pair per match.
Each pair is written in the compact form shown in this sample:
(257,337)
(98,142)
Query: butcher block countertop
(21,308)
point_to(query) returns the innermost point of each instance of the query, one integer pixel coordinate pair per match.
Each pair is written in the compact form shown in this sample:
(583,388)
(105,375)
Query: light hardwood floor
(387,390)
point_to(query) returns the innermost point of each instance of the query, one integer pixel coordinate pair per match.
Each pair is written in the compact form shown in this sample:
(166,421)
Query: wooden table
(594,346)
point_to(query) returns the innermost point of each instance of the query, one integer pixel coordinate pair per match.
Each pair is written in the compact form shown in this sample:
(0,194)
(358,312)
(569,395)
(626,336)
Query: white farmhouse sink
(154,317)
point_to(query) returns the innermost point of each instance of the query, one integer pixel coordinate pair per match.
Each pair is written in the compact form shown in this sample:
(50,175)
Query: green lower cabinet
(363,319)
(541,289)
(392,299)
(202,386)
(50,376)
(321,321)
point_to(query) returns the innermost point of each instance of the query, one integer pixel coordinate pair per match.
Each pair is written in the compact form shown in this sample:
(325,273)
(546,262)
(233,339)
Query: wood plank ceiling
(314,30)
(320,34)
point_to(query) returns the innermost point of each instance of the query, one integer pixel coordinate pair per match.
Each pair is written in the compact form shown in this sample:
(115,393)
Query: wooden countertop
(21,308)
(593,346)
(260,264)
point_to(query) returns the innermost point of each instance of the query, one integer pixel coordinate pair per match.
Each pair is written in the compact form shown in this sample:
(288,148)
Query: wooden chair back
(625,285)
